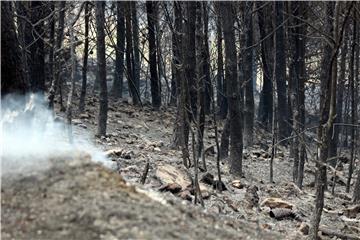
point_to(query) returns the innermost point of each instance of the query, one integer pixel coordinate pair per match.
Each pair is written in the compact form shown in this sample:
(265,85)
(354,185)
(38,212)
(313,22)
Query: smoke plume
(31,136)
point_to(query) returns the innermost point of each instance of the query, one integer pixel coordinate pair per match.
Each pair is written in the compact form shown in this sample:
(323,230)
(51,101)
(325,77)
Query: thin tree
(352,82)
(328,110)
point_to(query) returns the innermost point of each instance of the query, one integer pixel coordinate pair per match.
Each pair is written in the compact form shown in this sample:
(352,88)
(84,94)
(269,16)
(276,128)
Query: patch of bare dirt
(77,199)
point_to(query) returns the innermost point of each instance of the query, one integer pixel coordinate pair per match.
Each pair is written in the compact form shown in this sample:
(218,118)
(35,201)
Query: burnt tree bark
(117,88)
(100,50)
(266,95)
(220,81)
(12,72)
(280,71)
(352,82)
(233,91)
(249,107)
(190,55)
(56,84)
(130,62)
(135,38)
(200,81)
(154,80)
(297,95)
(328,108)
(37,56)
(85,59)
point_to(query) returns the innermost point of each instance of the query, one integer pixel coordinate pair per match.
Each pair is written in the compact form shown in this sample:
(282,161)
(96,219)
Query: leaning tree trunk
(328,112)
(100,49)
(154,80)
(233,91)
(12,71)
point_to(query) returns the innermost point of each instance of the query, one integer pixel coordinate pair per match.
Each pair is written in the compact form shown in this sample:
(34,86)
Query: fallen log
(284,213)
(332,233)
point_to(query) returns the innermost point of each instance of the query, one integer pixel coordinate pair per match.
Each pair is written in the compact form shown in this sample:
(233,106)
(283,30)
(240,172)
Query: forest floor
(102,205)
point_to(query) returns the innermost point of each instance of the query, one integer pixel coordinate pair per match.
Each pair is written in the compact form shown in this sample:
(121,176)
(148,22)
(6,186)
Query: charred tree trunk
(190,55)
(352,82)
(328,109)
(266,99)
(100,49)
(182,128)
(136,50)
(154,80)
(85,60)
(340,97)
(56,81)
(117,87)
(280,72)
(134,91)
(206,65)
(249,107)
(233,91)
(297,96)
(37,56)
(12,72)
(200,81)
(220,81)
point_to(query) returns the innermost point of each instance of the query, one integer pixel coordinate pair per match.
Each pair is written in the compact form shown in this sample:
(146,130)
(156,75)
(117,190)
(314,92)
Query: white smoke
(31,136)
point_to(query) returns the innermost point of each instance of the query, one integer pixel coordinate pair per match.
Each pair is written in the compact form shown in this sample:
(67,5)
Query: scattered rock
(171,187)
(186,195)
(276,203)
(119,152)
(352,211)
(304,228)
(168,174)
(282,213)
(238,184)
(252,197)
(207,178)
